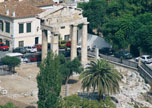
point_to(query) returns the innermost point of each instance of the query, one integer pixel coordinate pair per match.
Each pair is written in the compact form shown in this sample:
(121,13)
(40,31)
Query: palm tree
(102,76)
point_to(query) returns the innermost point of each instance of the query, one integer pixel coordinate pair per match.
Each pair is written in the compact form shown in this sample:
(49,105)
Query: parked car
(31,49)
(68,44)
(67,53)
(20,50)
(39,47)
(123,54)
(62,44)
(145,58)
(34,57)
(106,51)
(3,47)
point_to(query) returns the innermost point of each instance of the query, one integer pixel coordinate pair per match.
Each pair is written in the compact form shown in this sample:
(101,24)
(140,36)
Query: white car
(31,49)
(18,55)
(145,58)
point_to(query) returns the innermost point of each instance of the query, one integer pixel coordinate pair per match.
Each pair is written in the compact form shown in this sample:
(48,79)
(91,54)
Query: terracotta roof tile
(21,9)
(39,3)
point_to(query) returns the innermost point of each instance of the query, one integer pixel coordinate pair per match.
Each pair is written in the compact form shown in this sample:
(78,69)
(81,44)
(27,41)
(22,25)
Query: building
(18,23)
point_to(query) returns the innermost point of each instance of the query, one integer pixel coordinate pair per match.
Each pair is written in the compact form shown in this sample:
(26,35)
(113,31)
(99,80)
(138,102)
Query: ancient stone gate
(52,20)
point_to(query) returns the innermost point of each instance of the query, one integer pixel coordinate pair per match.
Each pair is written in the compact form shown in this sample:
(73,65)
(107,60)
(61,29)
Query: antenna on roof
(7,12)
(13,14)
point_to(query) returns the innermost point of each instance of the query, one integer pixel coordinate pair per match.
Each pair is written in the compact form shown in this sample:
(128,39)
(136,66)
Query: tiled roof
(39,3)
(21,9)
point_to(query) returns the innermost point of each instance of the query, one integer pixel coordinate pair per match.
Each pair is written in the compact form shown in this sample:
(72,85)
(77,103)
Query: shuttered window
(28,27)
(21,28)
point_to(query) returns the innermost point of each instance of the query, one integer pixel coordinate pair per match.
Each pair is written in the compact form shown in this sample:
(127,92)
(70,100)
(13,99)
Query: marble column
(54,43)
(73,41)
(84,56)
(44,44)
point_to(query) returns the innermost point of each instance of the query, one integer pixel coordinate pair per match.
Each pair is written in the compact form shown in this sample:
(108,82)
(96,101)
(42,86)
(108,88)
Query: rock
(25,94)
(129,106)
(34,93)
(29,77)
(4,92)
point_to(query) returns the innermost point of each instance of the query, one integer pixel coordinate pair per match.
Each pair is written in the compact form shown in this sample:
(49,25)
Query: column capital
(75,25)
(85,23)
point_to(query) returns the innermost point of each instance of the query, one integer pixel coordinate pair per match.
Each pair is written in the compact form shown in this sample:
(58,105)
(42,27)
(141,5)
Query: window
(28,27)
(7,29)
(21,28)
(66,37)
(21,43)
(63,27)
(1,25)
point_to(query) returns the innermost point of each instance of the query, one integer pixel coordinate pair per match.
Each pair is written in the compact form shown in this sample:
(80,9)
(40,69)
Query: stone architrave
(54,44)
(44,44)
(84,44)
(74,42)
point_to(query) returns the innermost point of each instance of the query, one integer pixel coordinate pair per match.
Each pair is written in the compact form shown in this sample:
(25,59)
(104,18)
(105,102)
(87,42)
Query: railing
(4,70)
(121,61)
(146,68)
(143,69)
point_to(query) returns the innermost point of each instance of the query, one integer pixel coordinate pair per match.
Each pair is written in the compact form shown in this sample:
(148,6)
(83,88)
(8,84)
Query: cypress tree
(49,82)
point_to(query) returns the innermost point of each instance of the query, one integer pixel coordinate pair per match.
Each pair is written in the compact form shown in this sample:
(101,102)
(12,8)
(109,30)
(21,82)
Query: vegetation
(49,82)
(11,62)
(102,76)
(77,102)
(8,105)
(123,23)
(67,68)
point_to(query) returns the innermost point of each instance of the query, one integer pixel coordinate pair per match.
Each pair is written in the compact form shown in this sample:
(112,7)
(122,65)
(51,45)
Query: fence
(4,70)
(121,61)
(143,69)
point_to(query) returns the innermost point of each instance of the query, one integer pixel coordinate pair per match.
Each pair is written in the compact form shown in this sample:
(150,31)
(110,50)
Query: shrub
(11,62)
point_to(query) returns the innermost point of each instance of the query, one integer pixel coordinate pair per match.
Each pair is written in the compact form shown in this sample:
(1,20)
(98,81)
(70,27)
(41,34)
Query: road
(150,65)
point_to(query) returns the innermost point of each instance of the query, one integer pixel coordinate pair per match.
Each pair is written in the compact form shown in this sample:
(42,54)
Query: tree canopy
(121,22)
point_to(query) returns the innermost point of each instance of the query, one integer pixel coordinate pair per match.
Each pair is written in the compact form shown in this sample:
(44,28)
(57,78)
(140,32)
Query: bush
(8,105)
(11,62)
(78,102)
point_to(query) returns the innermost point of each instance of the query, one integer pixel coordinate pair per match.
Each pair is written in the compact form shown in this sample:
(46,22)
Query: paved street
(150,65)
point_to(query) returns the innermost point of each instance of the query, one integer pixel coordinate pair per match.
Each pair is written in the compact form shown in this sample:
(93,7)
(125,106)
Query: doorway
(36,40)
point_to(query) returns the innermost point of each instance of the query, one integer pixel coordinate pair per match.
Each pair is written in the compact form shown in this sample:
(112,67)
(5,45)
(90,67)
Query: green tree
(8,105)
(94,11)
(49,82)
(11,62)
(102,76)
(67,68)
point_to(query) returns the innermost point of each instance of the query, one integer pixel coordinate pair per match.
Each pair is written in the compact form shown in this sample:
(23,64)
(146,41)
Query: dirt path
(22,87)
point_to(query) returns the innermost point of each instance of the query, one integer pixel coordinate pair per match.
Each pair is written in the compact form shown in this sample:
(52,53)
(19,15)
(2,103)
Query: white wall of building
(64,30)
(28,38)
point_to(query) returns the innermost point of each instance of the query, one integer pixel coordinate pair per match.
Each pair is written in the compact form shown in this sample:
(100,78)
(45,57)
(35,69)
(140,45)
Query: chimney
(7,12)
(13,14)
